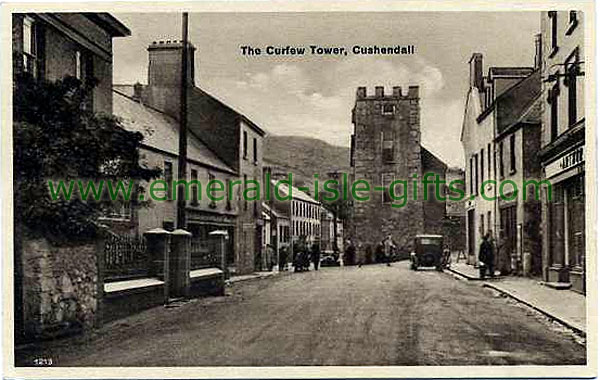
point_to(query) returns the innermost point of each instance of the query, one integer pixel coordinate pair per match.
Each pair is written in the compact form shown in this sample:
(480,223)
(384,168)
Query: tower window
(388,109)
(387,146)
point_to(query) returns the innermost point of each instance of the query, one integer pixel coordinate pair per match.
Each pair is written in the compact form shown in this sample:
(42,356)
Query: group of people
(494,256)
(303,258)
(384,252)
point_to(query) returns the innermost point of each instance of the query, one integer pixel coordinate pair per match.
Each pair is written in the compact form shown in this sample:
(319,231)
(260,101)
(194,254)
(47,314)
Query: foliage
(56,135)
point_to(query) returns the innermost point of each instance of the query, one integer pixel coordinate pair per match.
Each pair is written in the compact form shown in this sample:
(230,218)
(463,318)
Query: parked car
(427,252)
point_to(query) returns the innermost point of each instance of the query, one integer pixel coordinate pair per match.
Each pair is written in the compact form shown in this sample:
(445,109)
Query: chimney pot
(361,93)
(379,91)
(137,91)
(413,92)
(397,91)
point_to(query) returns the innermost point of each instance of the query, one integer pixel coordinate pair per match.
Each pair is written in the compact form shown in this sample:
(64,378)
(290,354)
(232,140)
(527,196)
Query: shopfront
(565,215)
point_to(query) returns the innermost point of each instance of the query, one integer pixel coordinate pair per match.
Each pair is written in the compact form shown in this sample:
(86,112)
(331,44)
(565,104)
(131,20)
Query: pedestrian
(503,254)
(388,249)
(350,253)
(486,256)
(316,256)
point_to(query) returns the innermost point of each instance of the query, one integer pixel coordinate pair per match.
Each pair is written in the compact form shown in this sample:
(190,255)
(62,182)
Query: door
(471,232)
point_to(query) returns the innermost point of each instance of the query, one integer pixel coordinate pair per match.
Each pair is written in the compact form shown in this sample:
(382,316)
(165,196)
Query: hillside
(305,156)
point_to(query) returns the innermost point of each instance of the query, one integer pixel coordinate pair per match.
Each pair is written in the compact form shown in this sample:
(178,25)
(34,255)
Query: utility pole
(182,161)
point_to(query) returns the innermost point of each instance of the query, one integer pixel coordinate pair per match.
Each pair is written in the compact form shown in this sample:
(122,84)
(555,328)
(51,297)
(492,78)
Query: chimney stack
(476,71)
(164,75)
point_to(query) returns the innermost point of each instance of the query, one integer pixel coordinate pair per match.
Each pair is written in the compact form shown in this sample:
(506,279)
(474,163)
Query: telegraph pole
(182,161)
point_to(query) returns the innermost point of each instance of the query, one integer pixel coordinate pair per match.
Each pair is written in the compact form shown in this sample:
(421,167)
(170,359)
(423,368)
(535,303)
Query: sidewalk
(564,306)
(252,276)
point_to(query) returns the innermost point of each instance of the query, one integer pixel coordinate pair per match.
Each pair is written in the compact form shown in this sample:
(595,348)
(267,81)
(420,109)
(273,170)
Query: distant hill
(305,156)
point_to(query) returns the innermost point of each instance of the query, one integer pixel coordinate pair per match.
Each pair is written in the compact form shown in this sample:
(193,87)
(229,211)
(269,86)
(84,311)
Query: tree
(56,135)
(339,207)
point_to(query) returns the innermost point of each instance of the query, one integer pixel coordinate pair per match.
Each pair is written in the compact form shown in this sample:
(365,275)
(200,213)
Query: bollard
(158,246)
(179,264)
(220,243)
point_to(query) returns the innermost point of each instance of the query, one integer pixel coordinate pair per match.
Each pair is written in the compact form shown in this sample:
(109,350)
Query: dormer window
(388,109)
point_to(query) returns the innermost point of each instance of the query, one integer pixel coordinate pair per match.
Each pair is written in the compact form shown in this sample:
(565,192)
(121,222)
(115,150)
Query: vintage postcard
(299,190)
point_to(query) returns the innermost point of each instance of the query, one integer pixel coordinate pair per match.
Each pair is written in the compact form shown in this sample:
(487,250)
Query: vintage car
(427,252)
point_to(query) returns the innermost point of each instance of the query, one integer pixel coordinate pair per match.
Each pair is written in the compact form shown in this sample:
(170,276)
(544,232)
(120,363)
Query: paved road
(374,315)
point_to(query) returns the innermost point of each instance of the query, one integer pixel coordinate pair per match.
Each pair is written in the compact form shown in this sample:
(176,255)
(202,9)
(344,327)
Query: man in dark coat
(315,254)
(486,256)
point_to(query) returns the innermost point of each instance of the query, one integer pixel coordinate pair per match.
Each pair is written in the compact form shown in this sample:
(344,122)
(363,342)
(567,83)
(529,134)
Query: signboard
(566,162)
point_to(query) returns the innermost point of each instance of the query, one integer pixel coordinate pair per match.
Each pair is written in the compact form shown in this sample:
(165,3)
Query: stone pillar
(158,243)
(219,239)
(179,263)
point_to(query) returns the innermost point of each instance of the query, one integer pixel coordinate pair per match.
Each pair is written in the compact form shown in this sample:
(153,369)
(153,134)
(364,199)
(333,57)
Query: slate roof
(160,131)
(515,102)
(296,193)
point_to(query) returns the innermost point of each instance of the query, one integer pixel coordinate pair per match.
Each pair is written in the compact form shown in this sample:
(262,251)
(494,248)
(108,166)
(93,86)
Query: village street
(374,315)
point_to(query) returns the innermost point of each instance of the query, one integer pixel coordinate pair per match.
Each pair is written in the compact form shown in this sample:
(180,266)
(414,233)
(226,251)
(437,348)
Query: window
(245,145)
(244,188)
(168,173)
(78,73)
(571,82)
(471,182)
(489,154)
(194,184)
(229,195)
(386,180)
(476,174)
(501,158)
(553,99)
(387,154)
(388,109)
(489,220)
(572,22)
(255,150)
(481,226)
(29,46)
(482,155)
(553,31)
(211,177)
(513,158)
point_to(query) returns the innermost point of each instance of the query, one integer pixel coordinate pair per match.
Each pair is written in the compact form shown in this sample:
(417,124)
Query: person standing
(316,256)
(486,256)
(388,249)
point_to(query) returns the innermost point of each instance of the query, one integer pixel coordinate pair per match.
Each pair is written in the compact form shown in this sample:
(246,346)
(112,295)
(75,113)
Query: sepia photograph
(344,191)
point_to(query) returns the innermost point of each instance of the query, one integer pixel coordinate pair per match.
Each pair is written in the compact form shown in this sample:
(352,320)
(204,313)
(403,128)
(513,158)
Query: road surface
(374,315)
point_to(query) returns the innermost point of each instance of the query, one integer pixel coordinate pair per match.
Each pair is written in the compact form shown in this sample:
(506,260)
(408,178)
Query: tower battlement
(379,94)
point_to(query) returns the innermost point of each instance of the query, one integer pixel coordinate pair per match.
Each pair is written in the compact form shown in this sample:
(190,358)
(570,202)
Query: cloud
(290,99)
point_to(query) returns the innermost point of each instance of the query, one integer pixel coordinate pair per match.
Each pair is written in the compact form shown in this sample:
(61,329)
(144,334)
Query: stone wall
(60,286)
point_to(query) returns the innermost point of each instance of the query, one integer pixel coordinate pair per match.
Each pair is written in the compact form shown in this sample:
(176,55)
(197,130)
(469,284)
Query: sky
(313,96)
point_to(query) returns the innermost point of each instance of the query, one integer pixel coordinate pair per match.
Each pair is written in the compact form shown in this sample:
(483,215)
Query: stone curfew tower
(386,146)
